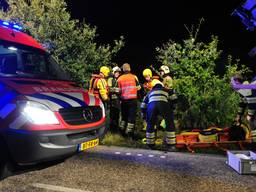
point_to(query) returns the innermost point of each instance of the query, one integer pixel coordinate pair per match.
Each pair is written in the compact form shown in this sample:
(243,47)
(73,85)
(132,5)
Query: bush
(207,97)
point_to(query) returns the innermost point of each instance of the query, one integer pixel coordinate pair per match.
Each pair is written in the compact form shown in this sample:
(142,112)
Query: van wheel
(5,165)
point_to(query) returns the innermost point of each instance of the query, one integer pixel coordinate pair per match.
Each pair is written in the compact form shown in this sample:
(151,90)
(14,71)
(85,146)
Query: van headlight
(37,113)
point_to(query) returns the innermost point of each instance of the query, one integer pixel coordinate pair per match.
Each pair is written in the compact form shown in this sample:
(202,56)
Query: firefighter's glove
(143,115)
(173,98)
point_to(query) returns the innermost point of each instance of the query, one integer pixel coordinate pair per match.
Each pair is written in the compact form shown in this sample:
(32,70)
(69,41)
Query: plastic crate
(238,161)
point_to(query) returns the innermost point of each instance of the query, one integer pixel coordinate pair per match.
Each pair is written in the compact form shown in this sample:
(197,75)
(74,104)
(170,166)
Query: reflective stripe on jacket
(156,94)
(113,88)
(129,85)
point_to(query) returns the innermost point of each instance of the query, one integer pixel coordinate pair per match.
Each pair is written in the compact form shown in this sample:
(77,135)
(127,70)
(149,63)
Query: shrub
(206,95)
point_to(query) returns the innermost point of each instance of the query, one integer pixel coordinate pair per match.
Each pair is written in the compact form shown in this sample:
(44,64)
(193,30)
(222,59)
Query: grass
(112,139)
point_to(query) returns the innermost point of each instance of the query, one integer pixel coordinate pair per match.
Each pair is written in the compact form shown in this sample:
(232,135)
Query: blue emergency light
(247,13)
(10,25)
(6,23)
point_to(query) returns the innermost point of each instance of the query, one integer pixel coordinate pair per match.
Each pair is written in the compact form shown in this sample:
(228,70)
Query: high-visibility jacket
(148,84)
(156,94)
(114,90)
(168,82)
(99,87)
(129,85)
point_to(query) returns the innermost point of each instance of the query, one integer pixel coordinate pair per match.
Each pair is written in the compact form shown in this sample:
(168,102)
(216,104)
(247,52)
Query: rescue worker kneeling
(156,103)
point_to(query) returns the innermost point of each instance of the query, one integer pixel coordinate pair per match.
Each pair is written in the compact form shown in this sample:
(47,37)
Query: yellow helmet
(104,70)
(147,72)
(156,81)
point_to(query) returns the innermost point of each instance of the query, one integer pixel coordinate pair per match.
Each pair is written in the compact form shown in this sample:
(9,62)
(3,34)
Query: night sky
(147,24)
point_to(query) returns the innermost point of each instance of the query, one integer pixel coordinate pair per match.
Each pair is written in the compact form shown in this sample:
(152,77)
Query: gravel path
(133,170)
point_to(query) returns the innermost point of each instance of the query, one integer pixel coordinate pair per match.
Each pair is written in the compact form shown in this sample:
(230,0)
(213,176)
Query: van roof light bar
(10,25)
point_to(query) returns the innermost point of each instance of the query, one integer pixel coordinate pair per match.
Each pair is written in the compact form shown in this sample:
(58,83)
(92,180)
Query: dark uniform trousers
(163,109)
(128,112)
(154,104)
(114,114)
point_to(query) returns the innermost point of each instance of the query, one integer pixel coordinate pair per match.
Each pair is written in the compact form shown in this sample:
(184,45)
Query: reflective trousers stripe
(170,141)
(253,134)
(150,135)
(251,111)
(170,137)
(122,125)
(170,134)
(150,138)
(130,128)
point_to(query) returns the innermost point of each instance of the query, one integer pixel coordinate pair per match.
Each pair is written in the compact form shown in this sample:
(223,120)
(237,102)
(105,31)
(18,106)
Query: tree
(207,97)
(70,42)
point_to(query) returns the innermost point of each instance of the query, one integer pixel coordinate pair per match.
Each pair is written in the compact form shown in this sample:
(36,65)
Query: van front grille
(81,115)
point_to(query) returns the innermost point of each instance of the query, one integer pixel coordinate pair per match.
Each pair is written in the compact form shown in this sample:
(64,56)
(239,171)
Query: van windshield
(28,62)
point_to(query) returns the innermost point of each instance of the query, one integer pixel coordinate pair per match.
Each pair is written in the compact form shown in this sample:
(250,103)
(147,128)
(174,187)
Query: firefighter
(168,84)
(114,95)
(167,79)
(99,86)
(156,103)
(129,86)
(147,86)
(147,74)
(247,100)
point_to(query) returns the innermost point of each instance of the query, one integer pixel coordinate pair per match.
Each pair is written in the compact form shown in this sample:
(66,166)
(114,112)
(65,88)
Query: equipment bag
(209,135)
(239,132)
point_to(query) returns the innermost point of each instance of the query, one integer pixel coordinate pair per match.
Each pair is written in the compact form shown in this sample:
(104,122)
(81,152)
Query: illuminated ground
(124,169)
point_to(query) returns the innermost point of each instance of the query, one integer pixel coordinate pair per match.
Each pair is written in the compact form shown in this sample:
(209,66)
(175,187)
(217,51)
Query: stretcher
(222,145)
(213,138)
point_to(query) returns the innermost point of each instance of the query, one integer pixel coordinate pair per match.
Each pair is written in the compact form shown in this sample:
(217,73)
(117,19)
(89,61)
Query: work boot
(129,129)
(130,135)
(170,148)
(122,127)
(151,146)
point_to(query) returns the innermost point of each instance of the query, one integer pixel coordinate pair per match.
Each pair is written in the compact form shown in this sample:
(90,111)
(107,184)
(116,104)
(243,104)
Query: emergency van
(43,115)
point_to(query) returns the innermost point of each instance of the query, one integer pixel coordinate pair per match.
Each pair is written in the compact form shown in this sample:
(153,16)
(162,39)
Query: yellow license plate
(88,144)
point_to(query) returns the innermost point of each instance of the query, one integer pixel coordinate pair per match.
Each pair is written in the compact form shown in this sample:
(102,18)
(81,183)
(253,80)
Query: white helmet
(165,69)
(116,69)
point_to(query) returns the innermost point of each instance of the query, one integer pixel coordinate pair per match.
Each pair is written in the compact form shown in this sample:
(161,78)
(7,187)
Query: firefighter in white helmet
(167,79)
(114,95)
(168,84)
